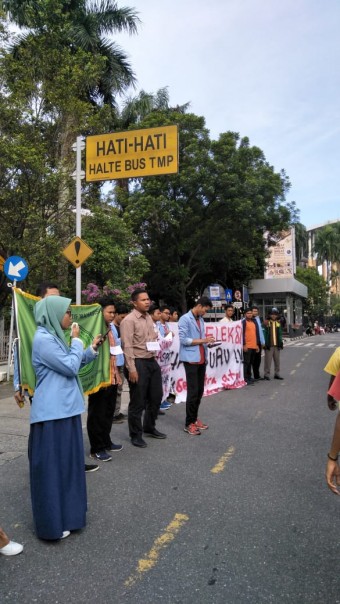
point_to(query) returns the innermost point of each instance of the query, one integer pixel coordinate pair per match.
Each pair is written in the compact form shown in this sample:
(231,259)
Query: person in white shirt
(229,313)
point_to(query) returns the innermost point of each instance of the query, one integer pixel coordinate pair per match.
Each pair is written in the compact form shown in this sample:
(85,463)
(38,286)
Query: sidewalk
(3,372)
(15,426)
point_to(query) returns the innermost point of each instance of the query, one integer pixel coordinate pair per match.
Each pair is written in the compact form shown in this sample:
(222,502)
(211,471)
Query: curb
(295,338)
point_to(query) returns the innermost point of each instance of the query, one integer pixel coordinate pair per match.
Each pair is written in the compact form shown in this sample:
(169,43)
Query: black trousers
(248,360)
(195,375)
(100,414)
(145,395)
(256,364)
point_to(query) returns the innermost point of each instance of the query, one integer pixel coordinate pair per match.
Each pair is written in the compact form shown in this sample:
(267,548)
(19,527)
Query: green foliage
(207,222)
(301,241)
(327,244)
(73,26)
(57,79)
(117,259)
(60,78)
(316,304)
(28,187)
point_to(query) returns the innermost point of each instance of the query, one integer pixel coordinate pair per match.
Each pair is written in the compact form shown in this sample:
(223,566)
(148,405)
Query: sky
(266,69)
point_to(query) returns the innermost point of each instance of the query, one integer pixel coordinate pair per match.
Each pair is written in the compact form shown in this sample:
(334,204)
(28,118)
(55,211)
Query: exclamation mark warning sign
(77,252)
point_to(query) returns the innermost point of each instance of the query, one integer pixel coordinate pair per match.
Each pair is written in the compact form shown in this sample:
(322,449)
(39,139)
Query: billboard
(281,263)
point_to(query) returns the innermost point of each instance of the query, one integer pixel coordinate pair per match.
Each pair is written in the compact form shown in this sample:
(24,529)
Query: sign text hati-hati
(146,152)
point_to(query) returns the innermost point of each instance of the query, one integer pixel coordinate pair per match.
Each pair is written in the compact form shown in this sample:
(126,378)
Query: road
(240,514)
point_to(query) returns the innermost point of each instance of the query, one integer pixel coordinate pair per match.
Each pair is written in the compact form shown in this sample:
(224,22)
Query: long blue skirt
(57,473)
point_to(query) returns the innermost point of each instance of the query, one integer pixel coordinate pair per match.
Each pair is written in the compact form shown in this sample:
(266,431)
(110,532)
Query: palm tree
(80,24)
(135,109)
(301,242)
(326,247)
(63,39)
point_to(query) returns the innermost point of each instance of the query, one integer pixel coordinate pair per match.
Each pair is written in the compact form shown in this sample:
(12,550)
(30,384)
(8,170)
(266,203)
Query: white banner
(225,361)
(164,360)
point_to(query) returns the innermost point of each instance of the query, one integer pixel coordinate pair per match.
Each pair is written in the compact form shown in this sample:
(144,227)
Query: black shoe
(278,377)
(266,378)
(137,441)
(161,413)
(155,434)
(91,467)
(257,379)
(119,419)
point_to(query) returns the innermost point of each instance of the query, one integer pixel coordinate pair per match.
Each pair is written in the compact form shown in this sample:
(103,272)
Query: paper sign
(116,350)
(153,346)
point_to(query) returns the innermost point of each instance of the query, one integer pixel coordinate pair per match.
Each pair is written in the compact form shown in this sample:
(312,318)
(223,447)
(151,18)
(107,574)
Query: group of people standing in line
(256,337)
(56,451)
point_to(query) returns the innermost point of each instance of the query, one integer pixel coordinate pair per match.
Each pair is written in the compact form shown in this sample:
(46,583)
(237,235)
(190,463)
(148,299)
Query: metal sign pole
(79,174)
(10,335)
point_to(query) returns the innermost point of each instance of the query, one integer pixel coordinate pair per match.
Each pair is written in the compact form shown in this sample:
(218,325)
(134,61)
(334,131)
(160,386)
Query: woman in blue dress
(56,451)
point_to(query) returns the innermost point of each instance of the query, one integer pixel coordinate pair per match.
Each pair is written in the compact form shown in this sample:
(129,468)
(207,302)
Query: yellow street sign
(131,154)
(2,262)
(77,252)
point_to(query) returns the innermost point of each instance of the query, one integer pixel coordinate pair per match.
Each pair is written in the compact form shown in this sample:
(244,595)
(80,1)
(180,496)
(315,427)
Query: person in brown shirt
(139,343)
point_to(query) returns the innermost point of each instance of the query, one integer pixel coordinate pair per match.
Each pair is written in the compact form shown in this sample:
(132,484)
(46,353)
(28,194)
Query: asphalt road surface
(240,514)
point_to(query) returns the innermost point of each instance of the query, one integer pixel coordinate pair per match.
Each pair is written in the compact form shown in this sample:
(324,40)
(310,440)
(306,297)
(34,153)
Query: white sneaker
(65,534)
(12,549)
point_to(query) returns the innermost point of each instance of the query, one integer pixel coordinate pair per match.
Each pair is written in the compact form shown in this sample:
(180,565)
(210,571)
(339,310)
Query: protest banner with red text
(225,361)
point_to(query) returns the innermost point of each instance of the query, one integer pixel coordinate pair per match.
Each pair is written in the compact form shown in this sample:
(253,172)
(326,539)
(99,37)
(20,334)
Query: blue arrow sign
(16,268)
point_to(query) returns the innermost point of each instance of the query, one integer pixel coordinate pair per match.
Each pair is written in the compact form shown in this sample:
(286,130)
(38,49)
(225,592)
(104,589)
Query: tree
(134,110)
(301,242)
(166,211)
(28,185)
(77,25)
(68,72)
(248,199)
(336,310)
(316,304)
(117,260)
(327,247)
(207,221)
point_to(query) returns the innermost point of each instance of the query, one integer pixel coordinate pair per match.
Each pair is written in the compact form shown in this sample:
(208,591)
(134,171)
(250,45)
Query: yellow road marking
(223,461)
(151,559)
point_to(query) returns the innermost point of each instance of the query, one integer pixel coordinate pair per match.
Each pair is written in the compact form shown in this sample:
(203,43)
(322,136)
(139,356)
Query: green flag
(94,375)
